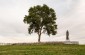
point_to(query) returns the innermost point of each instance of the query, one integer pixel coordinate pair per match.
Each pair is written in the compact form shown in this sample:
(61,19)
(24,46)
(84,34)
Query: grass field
(42,49)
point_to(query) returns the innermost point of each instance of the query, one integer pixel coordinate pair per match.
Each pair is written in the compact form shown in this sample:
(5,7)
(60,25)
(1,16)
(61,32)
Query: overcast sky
(70,16)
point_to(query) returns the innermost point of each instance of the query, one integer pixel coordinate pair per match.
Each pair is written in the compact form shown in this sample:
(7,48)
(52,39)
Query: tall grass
(42,49)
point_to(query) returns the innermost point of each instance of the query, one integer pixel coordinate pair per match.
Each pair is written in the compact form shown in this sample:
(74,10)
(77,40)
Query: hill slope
(42,49)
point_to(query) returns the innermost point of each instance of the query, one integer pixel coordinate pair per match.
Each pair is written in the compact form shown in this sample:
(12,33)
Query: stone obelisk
(68,40)
(67,35)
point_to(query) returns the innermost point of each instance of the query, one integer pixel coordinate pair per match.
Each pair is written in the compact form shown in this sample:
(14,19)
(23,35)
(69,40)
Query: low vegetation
(42,49)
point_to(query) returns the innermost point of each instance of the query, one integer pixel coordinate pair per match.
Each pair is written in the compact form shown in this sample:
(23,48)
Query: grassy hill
(42,49)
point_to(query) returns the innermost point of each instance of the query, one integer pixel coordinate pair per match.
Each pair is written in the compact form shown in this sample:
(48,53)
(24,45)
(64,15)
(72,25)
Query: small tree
(41,19)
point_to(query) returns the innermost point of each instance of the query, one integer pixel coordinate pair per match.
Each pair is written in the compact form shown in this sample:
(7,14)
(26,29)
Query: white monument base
(71,42)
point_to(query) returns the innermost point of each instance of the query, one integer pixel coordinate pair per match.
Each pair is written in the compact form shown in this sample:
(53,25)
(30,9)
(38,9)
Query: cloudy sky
(70,16)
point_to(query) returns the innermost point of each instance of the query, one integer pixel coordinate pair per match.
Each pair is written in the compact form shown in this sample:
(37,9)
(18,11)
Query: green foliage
(41,19)
(41,49)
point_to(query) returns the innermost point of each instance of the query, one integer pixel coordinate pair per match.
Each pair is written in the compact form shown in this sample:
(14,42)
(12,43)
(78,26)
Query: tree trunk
(39,36)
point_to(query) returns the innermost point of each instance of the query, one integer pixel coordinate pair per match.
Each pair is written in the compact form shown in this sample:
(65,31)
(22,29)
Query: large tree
(41,19)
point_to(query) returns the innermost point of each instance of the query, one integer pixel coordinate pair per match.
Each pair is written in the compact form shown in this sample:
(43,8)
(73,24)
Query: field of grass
(42,49)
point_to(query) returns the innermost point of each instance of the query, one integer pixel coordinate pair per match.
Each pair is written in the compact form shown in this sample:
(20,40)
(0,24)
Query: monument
(67,35)
(68,40)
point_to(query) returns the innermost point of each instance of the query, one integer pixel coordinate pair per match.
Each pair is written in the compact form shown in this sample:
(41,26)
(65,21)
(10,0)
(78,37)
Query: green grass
(42,49)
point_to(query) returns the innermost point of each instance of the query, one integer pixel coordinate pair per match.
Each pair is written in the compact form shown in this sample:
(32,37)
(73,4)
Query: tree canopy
(41,19)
